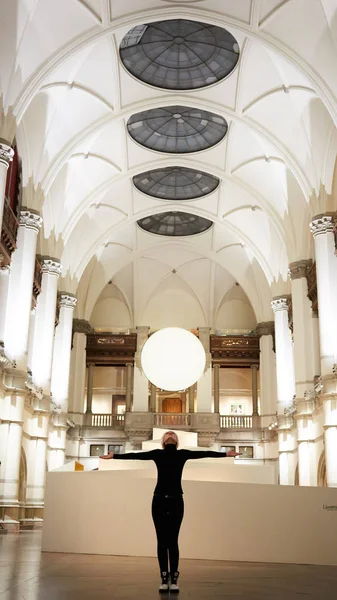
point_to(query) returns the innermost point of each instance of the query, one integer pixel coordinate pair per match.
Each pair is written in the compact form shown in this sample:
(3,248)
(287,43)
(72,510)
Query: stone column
(140,381)
(60,377)
(36,459)
(90,387)
(20,288)
(44,325)
(6,156)
(153,398)
(4,281)
(284,355)
(191,399)
(268,392)
(11,422)
(304,369)
(322,227)
(129,379)
(216,371)
(78,366)
(204,384)
(254,390)
(326,269)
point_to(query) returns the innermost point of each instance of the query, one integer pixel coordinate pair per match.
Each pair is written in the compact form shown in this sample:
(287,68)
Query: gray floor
(26,574)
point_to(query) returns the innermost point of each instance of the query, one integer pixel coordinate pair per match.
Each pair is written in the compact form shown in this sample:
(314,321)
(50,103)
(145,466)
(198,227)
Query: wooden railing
(172,420)
(235,421)
(105,420)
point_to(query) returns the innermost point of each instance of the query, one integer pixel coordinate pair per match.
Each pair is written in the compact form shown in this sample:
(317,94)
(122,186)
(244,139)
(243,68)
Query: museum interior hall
(166,164)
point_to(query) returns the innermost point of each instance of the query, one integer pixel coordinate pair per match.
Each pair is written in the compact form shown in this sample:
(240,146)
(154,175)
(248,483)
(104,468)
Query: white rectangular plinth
(109,512)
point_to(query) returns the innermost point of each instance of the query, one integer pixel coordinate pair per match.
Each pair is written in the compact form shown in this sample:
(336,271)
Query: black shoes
(164,587)
(174,588)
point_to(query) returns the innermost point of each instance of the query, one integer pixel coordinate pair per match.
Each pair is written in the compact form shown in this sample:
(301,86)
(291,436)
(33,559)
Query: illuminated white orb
(173,359)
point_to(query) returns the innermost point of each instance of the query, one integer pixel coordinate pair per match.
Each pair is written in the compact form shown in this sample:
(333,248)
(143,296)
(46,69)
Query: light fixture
(173,359)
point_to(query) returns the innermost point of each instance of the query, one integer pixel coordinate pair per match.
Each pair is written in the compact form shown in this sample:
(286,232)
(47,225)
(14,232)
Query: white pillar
(36,459)
(11,421)
(62,350)
(322,228)
(4,281)
(20,288)
(304,370)
(129,380)
(326,270)
(284,355)
(204,384)
(6,156)
(268,391)
(140,381)
(44,325)
(60,381)
(77,373)
(303,329)
(216,403)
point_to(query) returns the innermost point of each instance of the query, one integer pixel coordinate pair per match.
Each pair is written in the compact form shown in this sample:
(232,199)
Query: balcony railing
(172,420)
(112,421)
(235,421)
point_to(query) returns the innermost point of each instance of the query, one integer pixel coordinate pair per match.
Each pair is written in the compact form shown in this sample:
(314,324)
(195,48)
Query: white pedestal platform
(109,512)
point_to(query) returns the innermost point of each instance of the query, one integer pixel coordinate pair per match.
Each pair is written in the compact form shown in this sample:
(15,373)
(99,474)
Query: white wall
(235,311)
(109,312)
(173,308)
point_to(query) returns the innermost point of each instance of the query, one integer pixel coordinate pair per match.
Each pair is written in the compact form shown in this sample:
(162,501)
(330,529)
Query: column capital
(82,326)
(51,266)
(67,300)
(216,366)
(299,269)
(30,219)
(280,303)
(6,154)
(265,328)
(323,223)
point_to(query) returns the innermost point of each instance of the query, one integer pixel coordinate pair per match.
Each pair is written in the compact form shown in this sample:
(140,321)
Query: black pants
(167,514)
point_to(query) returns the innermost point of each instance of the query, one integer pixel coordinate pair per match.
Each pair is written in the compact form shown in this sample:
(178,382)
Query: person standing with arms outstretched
(168,503)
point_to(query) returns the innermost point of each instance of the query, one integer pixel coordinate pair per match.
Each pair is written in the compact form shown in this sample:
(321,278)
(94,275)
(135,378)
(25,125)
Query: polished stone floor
(26,574)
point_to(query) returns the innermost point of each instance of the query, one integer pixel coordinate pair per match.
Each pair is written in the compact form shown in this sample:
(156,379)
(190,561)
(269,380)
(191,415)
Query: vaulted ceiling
(67,97)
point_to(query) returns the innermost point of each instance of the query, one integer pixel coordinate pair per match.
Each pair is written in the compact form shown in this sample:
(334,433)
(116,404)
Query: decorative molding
(299,269)
(51,266)
(238,350)
(67,300)
(82,326)
(6,154)
(265,328)
(280,303)
(322,224)
(30,220)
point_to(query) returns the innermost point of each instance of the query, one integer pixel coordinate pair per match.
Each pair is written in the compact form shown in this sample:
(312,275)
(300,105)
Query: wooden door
(172,405)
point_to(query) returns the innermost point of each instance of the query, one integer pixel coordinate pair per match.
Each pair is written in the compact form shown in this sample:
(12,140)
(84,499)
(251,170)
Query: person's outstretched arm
(150,455)
(193,454)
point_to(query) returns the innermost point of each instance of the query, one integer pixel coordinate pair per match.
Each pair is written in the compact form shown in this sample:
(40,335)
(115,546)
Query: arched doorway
(321,471)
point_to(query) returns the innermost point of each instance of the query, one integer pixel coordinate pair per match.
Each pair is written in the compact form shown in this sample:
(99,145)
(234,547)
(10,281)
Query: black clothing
(168,503)
(167,514)
(170,463)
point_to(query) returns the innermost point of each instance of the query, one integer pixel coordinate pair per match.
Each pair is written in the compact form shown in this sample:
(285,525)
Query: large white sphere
(173,359)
